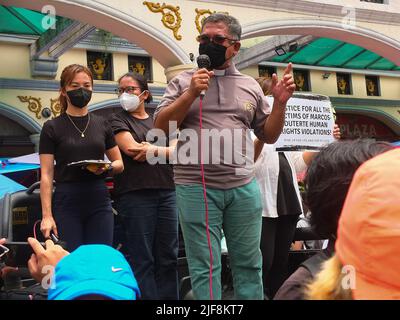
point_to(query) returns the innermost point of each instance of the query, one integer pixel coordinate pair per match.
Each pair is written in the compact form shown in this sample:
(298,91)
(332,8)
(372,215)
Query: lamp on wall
(46,112)
(326,75)
(191,57)
(280,51)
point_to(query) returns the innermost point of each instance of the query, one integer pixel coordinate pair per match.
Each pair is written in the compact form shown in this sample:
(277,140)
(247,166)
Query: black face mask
(216,52)
(79,97)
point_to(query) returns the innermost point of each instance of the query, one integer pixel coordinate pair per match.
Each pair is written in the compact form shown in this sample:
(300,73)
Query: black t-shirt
(287,200)
(60,138)
(139,175)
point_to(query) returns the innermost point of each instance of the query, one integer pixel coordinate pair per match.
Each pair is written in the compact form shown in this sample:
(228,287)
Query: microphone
(203,61)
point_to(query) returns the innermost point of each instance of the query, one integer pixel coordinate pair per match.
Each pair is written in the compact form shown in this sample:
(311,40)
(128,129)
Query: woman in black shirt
(80,211)
(145,195)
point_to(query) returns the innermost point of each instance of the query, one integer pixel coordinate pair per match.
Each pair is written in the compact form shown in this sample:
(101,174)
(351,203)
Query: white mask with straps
(130,102)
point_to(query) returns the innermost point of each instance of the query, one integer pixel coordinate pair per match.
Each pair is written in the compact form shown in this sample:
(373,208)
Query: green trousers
(238,212)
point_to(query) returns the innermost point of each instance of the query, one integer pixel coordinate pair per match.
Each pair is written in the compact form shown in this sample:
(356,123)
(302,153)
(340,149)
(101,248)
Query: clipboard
(84,163)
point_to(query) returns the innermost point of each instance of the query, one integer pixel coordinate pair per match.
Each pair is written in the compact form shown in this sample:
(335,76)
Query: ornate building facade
(347,50)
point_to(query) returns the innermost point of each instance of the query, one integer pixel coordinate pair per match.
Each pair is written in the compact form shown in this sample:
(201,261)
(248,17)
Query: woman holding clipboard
(80,211)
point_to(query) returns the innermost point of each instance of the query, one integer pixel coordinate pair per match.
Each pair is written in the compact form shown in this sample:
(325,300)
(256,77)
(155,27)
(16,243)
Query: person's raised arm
(179,108)
(281,90)
(46,191)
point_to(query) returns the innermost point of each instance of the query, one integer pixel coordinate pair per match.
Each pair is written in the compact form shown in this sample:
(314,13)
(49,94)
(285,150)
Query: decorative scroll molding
(202,12)
(55,107)
(171,20)
(199,13)
(34,105)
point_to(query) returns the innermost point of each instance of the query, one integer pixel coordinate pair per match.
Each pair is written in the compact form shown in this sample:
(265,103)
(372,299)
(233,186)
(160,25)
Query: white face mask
(130,102)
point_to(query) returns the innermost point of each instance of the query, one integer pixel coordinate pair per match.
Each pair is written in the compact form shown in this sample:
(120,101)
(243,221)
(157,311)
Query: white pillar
(35,140)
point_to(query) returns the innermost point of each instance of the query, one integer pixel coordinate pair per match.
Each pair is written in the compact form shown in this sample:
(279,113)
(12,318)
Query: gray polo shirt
(234,103)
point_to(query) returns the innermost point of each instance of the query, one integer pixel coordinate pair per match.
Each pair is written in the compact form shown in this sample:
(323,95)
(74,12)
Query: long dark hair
(67,75)
(329,176)
(142,82)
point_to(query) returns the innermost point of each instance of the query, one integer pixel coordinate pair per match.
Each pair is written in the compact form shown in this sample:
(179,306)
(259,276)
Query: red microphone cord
(34,228)
(205,197)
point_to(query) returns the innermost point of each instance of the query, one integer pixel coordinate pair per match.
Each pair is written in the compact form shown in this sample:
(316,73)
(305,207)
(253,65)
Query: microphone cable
(203,180)
(34,228)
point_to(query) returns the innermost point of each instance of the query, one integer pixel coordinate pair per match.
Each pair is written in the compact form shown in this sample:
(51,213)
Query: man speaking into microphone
(230,102)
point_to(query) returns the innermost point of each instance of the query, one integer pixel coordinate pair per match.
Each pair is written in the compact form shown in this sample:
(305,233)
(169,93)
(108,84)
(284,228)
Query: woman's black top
(60,138)
(287,200)
(139,175)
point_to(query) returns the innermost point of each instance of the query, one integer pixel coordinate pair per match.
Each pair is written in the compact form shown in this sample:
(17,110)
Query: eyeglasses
(129,90)
(218,39)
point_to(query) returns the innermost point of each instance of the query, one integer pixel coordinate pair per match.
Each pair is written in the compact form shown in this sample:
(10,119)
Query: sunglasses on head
(218,39)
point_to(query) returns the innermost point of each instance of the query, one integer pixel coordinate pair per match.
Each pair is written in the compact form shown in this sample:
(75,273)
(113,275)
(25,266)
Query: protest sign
(308,123)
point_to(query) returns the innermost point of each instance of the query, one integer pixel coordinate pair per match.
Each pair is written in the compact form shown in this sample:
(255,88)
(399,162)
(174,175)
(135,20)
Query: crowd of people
(253,200)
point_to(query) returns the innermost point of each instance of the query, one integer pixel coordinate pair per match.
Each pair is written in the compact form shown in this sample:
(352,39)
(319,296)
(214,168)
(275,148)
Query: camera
(16,254)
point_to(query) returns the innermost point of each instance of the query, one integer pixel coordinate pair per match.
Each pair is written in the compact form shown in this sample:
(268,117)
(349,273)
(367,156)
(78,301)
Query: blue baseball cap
(94,269)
